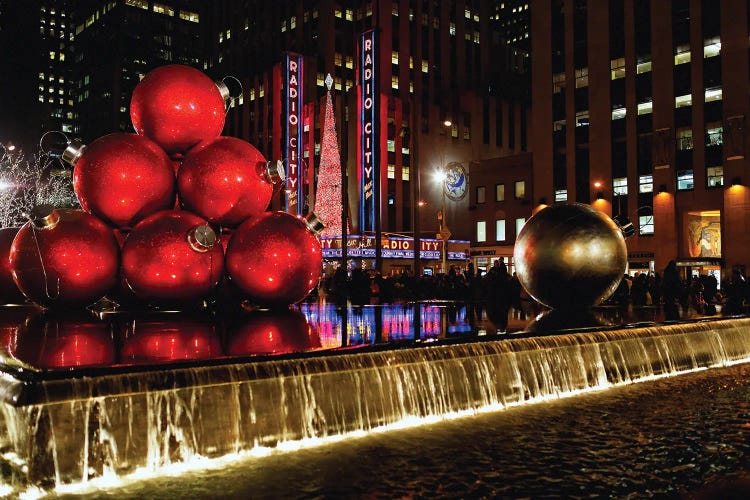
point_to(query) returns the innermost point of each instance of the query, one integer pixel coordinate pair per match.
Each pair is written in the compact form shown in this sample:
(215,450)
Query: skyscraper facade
(639,108)
(433,82)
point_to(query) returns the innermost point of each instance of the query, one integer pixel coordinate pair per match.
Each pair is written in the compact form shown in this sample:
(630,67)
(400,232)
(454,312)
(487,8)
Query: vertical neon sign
(293,137)
(368,162)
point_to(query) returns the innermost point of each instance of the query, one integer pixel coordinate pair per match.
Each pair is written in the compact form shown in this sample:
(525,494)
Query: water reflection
(51,340)
(271,332)
(54,341)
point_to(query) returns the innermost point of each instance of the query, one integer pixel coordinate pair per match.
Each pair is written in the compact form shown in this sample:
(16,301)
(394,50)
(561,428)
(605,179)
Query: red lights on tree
(328,204)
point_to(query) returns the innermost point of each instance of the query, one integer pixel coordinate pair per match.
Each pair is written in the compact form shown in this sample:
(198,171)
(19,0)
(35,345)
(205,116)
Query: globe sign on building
(455,181)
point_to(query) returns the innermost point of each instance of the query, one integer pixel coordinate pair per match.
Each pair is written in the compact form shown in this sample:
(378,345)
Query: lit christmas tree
(328,193)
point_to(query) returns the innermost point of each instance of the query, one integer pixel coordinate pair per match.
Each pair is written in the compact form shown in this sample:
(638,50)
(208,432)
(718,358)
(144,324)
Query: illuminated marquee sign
(391,248)
(293,136)
(368,125)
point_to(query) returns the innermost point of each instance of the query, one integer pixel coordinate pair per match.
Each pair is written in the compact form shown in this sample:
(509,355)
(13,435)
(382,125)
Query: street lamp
(441,177)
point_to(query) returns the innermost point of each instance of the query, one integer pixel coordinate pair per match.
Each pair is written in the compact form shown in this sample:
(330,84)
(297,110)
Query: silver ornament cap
(44,216)
(201,238)
(73,152)
(223,90)
(274,172)
(314,224)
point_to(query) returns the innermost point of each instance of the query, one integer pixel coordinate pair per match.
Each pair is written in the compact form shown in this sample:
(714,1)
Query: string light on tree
(328,195)
(29,182)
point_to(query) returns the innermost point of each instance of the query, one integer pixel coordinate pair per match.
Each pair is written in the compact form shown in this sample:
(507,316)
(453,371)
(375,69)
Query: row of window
(711,48)
(500,233)
(645,227)
(519,192)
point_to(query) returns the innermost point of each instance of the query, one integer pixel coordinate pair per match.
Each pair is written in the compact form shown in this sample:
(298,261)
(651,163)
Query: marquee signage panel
(293,136)
(368,127)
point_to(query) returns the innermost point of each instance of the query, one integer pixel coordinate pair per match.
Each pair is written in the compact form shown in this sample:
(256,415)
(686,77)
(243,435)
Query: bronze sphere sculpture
(570,256)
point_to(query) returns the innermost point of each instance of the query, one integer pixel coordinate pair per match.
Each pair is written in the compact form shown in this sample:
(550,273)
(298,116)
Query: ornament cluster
(172,215)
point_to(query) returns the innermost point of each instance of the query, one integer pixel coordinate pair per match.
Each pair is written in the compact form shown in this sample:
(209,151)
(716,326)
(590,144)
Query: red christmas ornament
(276,259)
(9,292)
(177,107)
(172,256)
(64,341)
(121,178)
(64,258)
(272,332)
(156,340)
(227,180)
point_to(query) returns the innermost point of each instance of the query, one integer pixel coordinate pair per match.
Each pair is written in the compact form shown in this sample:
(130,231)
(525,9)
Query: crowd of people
(496,291)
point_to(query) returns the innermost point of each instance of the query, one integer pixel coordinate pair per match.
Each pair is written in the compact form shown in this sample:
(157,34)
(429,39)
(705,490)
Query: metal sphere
(570,256)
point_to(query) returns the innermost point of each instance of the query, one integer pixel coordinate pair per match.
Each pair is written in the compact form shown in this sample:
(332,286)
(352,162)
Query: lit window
(160,8)
(425,66)
(645,224)
(582,78)
(480,194)
(394,57)
(617,68)
(338,13)
(394,81)
(618,113)
(391,145)
(193,17)
(682,101)
(684,180)
(646,184)
(645,108)
(500,229)
(561,195)
(481,231)
(582,118)
(293,22)
(681,54)
(643,67)
(404,173)
(519,225)
(283,26)
(143,4)
(499,192)
(715,176)
(713,94)
(714,136)
(391,171)
(684,139)
(520,189)
(453,29)
(620,186)
(711,47)
(558,82)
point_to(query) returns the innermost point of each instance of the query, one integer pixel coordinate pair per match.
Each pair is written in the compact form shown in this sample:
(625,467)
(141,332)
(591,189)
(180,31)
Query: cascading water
(119,424)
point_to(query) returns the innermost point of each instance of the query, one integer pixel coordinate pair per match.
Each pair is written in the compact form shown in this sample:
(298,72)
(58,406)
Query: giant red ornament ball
(64,258)
(177,107)
(9,292)
(172,256)
(122,178)
(227,180)
(276,258)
